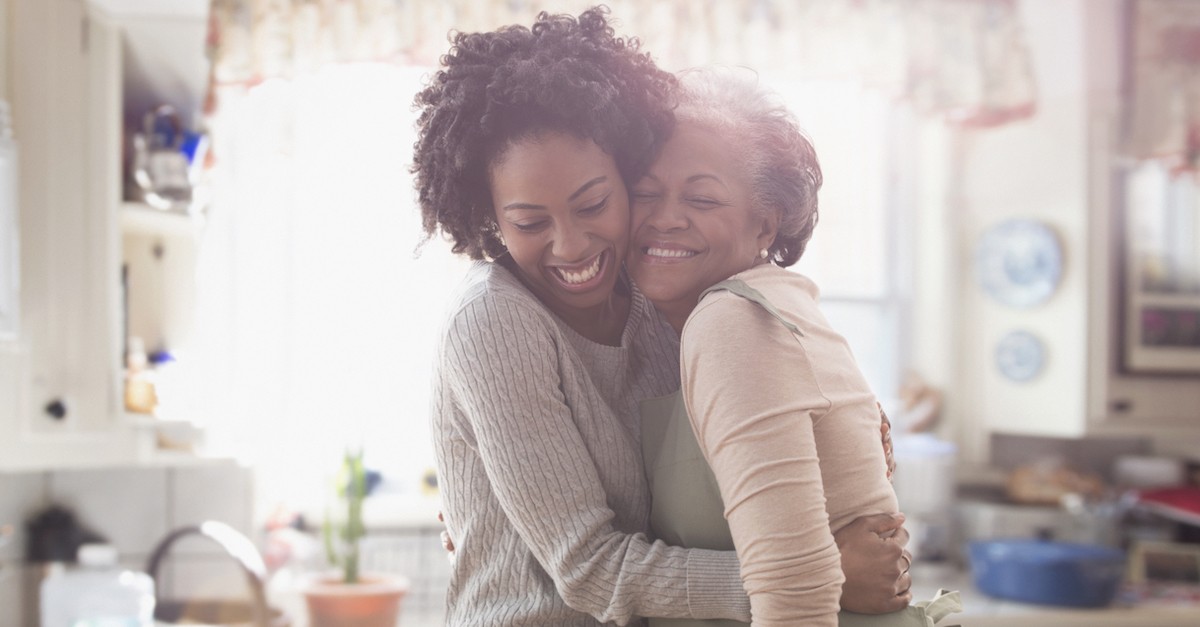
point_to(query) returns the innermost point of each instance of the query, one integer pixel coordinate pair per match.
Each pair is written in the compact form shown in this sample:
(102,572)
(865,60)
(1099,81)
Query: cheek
(637,217)
(622,224)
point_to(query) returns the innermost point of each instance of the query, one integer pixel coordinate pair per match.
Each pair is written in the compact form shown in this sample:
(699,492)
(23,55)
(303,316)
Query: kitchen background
(209,286)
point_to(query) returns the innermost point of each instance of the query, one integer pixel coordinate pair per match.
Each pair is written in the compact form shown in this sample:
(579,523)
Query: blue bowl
(1045,572)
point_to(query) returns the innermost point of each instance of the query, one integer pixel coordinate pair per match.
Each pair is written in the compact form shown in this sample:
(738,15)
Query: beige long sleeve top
(791,431)
(538,448)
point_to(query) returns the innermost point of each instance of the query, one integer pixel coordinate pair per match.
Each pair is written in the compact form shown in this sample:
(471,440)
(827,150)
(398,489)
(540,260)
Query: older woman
(782,447)
(526,139)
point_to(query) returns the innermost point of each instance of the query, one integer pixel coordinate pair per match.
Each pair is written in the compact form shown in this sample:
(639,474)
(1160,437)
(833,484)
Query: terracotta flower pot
(373,602)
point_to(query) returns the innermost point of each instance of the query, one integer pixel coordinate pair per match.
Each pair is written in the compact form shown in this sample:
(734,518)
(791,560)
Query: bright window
(320,319)
(857,255)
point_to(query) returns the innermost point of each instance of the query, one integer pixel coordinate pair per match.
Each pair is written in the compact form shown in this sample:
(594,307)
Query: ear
(768,229)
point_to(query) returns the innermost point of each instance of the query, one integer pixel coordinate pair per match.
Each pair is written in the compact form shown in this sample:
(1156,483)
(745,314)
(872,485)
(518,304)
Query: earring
(762,254)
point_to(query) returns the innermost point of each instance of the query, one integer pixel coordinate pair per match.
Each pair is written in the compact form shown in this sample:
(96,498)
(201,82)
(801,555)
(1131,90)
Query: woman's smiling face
(694,223)
(563,212)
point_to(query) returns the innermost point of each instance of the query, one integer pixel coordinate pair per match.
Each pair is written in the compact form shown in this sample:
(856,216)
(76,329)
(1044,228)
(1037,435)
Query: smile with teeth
(673,253)
(582,276)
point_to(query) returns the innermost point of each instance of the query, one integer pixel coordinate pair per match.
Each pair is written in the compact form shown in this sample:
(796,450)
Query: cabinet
(65,366)
(65,104)
(1161,279)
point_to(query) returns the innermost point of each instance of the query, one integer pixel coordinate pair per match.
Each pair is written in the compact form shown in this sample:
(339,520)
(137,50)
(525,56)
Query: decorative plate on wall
(1020,356)
(1019,262)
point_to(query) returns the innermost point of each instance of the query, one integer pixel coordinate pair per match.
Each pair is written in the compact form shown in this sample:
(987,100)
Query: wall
(1059,167)
(10,352)
(134,508)
(1033,169)
(5,19)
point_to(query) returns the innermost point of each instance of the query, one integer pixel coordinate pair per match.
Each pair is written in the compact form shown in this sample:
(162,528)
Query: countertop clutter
(980,610)
(1072,538)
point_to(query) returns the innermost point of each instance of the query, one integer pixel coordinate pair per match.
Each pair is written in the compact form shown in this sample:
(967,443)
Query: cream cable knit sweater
(537,439)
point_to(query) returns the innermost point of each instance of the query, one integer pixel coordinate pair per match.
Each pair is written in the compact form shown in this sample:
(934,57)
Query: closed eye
(644,196)
(703,202)
(530,227)
(594,209)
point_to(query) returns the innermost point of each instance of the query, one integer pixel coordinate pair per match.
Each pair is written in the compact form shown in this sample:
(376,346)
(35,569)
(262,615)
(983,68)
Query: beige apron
(687,509)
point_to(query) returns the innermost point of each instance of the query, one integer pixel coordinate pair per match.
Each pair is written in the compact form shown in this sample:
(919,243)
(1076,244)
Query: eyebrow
(586,186)
(696,177)
(576,194)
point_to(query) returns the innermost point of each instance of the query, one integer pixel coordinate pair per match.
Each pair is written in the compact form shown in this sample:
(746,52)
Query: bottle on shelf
(140,396)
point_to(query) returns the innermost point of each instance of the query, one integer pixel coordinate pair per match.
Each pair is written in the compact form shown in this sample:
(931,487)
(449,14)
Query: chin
(656,289)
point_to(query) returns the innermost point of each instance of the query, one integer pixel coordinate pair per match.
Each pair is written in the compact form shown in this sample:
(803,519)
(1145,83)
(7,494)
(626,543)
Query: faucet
(238,547)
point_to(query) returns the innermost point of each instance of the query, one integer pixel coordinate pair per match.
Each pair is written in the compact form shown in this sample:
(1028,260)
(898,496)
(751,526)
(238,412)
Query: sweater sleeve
(756,429)
(501,359)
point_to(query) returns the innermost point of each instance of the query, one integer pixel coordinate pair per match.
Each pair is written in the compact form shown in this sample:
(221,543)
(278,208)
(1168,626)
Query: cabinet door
(66,92)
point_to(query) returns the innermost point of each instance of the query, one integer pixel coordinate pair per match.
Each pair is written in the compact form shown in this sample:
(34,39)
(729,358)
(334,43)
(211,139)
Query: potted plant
(350,598)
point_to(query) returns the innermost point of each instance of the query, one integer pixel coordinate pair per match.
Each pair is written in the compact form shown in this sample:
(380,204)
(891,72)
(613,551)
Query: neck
(602,324)
(676,312)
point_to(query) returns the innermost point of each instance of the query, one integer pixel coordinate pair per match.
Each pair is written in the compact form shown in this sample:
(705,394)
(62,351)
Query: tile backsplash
(135,508)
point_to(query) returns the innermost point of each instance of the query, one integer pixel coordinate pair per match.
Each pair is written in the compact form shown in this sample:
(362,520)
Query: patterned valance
(965,59)
(1165,75)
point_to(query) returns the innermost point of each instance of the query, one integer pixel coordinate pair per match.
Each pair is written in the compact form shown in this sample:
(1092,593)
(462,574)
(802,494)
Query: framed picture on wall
(1161,263)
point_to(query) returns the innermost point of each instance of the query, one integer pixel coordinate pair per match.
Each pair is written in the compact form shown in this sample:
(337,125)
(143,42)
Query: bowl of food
(1047,572)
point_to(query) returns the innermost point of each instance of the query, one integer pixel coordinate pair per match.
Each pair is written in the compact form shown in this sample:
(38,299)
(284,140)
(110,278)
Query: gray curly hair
(778,158)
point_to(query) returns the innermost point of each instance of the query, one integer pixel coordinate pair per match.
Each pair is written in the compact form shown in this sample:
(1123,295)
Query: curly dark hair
(563,74)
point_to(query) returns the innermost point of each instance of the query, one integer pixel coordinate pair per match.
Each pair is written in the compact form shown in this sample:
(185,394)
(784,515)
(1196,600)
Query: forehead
(548,163)
(696,149)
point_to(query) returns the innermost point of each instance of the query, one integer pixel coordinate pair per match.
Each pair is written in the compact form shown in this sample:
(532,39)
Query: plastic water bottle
(98,593)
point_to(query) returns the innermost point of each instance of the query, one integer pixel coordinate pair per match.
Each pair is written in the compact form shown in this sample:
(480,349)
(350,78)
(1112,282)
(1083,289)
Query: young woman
(781,450)
(526,140)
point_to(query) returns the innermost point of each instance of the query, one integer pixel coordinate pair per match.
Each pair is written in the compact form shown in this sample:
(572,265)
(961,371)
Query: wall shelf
(138,217)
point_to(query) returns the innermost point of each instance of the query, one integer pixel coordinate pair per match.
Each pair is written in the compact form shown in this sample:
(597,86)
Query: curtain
(1165,75)
(964,59)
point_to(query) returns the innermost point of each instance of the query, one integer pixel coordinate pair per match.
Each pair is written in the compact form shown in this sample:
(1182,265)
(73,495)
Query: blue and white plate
(1020,356)
(1019,262)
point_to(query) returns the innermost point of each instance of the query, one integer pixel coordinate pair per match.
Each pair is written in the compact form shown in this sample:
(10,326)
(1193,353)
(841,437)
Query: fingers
(901,536)
(904,582)
(885,430)
(881,524)
(904,598)
(447,541)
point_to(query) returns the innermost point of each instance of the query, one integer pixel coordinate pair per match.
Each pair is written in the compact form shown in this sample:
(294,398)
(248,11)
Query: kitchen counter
(980,610)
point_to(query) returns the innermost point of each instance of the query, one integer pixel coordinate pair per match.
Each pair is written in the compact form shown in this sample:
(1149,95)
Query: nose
(665,215)
(570,242)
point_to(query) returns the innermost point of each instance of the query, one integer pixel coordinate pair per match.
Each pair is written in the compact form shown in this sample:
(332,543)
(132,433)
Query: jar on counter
(98,593)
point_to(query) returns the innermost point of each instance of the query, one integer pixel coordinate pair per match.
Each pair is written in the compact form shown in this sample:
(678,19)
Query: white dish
(1019,262)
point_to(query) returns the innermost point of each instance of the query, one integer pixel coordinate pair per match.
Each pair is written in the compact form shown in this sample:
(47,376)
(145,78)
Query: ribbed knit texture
(537,440)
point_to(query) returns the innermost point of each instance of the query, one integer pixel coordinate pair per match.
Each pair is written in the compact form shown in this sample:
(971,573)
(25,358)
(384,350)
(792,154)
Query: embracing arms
(543,460)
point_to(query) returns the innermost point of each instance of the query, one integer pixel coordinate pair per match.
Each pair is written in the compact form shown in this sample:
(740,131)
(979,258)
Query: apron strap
(943,604)
(739,287)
